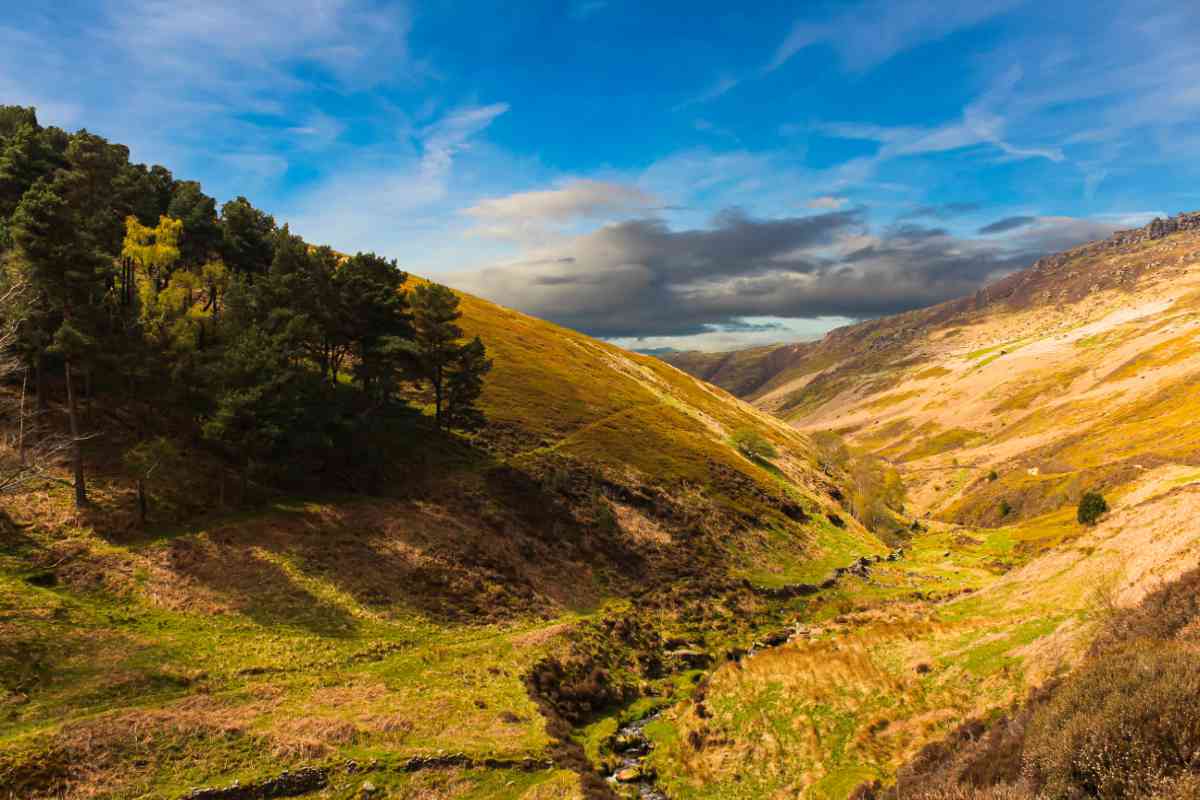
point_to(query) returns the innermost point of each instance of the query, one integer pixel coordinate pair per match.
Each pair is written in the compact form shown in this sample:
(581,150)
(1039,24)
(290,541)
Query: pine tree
(65,270)
(464,384)
(435,337)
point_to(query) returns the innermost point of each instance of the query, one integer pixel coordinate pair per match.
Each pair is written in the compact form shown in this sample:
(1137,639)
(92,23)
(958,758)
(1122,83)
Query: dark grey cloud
(1007,224)
(640,278)
(943,211)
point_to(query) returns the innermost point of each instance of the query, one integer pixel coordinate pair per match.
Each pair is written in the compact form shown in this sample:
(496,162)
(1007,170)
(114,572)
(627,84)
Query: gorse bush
(1125,725)
(754,445)
(1091,506)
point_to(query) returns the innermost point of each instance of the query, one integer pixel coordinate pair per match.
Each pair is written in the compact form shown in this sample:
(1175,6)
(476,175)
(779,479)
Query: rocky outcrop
(288,784)
(1157,229)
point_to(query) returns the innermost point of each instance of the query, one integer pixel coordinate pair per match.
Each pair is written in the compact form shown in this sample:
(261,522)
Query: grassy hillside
(391,640)
(998,411)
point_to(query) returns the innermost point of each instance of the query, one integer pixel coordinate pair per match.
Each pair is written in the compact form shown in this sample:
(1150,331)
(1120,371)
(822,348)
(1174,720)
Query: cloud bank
(641,278)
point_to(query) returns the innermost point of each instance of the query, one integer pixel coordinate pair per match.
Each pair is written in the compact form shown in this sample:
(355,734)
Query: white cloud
(828,202)
(395,200)
(870,33)
(517,216)
(721,86)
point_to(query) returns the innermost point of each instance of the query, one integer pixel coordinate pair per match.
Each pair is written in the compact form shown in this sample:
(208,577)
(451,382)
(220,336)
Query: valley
(286,522)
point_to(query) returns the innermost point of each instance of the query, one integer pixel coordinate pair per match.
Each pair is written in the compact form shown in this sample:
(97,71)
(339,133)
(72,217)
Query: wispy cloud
(870,33)
(716,89)
(829,202)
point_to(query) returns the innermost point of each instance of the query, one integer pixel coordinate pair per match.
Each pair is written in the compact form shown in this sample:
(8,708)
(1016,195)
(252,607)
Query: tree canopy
(224,328)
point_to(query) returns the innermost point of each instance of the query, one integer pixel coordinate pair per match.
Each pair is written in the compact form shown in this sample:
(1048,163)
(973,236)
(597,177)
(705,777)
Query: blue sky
(696,175)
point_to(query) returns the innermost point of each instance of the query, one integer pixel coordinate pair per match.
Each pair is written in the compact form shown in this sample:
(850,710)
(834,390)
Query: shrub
(1124,726)
(1091,506)
(1169,612)
(754,445)
(1005,508)
(993,475)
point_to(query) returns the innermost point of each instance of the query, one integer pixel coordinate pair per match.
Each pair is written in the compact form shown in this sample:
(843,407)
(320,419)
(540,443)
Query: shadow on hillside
(13,540)
(249,577)
(450,532)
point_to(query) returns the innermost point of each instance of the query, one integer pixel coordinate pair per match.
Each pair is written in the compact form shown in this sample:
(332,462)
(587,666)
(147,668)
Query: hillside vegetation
(437,608)
(1000,412)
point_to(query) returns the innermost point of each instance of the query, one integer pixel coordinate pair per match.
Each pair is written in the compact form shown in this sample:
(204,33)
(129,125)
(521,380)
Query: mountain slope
(998,411)
(400,632)
(1054,371)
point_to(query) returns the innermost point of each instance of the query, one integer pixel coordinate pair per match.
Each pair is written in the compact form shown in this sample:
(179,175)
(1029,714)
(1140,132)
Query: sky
(691,176)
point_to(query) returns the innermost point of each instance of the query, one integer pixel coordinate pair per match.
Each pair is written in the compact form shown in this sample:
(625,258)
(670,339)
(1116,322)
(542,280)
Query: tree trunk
(21,420)
(141,496)
(437,395)
(43,392)
(76,450)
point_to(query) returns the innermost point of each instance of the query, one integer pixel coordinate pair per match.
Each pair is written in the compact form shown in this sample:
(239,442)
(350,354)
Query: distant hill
(1004,380)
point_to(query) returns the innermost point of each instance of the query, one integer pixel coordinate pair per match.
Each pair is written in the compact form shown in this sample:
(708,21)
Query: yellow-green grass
(232,647)
(932,373)
(880,676)
(1172,351)
(140,675)
(943,442)
(889,400)
(1025,393)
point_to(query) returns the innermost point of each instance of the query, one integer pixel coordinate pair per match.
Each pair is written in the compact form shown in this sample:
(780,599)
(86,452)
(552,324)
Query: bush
(1005,508)
(993,475)
(1124,726)
(1169,612)
(1091,506)
(753,445)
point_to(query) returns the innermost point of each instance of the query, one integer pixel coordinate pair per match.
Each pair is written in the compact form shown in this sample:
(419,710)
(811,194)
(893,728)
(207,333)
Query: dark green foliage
(1005,508)
(754,445)
(247,237)
(285,359)
(26,155)
(993,475)
(1091,507)
(464,384)
(13,117)
(373,321)
(436,334)
(202,235)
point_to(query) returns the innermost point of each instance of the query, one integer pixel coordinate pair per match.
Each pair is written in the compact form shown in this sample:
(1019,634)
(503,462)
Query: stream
(631,778)
(632,746)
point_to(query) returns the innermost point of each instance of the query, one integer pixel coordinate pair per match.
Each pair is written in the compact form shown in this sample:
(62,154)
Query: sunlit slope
(560,400)
(1012,412)
(879,672)
(1073,374)
(226,644)
(1000,410)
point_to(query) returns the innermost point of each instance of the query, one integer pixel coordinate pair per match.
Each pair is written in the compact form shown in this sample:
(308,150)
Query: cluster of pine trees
(284,358)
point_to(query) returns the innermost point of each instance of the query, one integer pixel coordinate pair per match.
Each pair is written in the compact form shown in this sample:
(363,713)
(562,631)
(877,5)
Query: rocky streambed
(630,776)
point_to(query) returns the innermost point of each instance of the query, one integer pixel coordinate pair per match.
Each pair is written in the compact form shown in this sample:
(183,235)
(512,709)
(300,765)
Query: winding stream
(631,777)
(632,746)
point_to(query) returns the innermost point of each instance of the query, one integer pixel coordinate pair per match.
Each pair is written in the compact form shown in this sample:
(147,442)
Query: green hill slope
(232,645)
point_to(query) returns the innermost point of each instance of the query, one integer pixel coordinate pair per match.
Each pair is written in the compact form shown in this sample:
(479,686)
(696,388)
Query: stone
(629,775)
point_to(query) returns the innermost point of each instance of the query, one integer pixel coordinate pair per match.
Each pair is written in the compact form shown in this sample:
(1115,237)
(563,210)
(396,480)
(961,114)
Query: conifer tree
(435,337)
(464,384)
